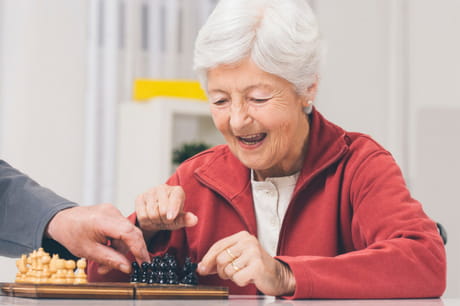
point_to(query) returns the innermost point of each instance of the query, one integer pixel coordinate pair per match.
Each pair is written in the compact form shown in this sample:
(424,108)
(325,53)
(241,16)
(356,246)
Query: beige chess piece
(31,275)
(80,276)
(59,277)
(45,272)
(70,267)
(21,264)
(52,267)
(38,268)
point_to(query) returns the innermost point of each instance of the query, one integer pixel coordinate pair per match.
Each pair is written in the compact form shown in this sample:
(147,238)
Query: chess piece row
(40,268)
(164,270)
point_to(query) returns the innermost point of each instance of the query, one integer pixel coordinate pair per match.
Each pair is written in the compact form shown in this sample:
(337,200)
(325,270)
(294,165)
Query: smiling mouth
(252,139)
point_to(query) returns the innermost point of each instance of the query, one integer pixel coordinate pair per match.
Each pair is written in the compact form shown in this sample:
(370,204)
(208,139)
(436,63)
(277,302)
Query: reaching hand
(242,259)
(161,208)
(86,230)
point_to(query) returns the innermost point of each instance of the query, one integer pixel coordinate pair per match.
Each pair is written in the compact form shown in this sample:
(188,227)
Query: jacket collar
(227,176)
(327,143)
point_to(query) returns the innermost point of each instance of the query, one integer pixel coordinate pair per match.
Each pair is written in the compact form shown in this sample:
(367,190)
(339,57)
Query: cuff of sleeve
(40,232)
(304,283)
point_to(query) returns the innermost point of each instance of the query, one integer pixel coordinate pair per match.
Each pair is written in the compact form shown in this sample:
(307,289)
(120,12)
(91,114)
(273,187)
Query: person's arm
(32,216)
(399,251)
(25,210)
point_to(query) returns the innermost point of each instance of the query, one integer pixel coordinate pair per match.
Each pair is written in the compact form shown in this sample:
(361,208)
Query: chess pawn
(80,276)
(145,270)
(135,275)
(60,276)
(33,275)
(70,267)
(41,253)
(52,268)
(21,264)
(45,273)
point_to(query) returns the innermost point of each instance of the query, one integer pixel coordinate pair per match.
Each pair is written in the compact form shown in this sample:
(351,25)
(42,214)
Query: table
(233,300)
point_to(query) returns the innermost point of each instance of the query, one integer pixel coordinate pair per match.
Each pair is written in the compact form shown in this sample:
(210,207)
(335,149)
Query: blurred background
(70,120)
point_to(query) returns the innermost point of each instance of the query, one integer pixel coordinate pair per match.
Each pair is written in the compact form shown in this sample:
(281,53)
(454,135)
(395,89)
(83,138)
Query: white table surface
(233,300)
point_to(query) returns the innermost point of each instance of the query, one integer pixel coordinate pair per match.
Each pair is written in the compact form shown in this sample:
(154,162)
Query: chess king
(292,205)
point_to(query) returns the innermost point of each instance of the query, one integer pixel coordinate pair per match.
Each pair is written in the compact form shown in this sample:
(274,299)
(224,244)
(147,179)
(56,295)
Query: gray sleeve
(25,210)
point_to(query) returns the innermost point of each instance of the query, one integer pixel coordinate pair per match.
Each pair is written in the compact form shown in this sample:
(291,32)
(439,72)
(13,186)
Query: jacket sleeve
(25,210)
(398,250)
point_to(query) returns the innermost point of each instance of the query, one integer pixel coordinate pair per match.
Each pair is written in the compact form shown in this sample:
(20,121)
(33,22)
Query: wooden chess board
(113,291)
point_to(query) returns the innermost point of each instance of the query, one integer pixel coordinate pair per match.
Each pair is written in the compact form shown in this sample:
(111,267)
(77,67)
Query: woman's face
(261,117)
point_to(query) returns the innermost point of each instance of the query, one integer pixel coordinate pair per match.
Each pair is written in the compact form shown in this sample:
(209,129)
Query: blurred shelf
(148,134)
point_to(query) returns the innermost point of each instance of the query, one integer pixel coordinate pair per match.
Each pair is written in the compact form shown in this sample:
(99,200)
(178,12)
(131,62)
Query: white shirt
(271,200)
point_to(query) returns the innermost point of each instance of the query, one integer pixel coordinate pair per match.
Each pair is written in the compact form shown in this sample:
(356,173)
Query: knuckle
(140,198)
(220,260)
(106,206)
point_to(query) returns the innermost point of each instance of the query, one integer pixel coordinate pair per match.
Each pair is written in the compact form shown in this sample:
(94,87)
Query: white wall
(43,64)
(43,75)
(434,91)
(393,71)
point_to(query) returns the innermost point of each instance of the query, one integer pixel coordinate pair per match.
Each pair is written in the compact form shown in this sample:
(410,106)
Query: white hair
(280,36)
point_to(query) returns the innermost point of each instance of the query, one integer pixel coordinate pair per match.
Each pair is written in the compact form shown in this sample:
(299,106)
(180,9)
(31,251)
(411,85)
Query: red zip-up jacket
(352,229)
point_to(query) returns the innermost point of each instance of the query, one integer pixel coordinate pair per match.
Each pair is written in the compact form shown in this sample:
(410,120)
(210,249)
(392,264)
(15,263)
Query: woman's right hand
(161,208)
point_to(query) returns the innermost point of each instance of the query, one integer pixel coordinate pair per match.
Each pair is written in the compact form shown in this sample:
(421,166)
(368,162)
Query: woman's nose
(239,117)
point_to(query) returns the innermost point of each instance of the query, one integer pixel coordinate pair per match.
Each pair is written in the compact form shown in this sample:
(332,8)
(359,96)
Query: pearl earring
(309,107)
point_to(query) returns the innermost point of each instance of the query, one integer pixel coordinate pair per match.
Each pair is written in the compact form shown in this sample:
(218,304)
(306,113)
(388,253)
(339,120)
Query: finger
(233,267)
(208,263)
(222,261)
(163,203)
(141,212)
(189,219)
(102,269)
(244,275)
(129,234)
(183,220)
(119,246)
(227,258)
(133,239)
(108,257)
(247,267)
(151,205)
(177,199)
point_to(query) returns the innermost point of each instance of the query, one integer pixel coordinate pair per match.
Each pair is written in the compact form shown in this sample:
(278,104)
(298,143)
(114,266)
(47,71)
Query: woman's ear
(306,102)
(312,90)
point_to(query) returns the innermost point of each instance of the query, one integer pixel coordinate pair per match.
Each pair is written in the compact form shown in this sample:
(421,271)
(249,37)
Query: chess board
(113,291)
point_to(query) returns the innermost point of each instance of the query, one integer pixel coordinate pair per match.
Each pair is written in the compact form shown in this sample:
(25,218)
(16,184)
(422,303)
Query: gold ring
(235,267)
(230,253)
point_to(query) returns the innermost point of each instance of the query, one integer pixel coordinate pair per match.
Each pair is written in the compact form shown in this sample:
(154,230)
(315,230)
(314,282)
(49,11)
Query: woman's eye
(220,101)
(258,100)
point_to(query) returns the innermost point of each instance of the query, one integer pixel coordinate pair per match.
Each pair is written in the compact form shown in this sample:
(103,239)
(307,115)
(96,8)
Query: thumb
(187,219)
(190,219)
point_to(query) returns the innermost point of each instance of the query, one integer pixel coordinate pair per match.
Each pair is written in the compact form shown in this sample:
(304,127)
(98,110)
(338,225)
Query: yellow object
(145,89)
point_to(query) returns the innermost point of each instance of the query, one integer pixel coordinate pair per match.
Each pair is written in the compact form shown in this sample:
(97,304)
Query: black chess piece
(189,273)
(172,278)
(155,264)
(145,270)
(151,277)
(135,275)
(161,277)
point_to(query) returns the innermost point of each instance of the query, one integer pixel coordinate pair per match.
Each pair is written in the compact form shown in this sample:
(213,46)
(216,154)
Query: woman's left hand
(242,259)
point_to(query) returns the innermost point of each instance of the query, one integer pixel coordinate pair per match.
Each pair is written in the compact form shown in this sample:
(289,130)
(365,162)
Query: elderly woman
(292,205)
